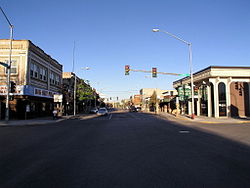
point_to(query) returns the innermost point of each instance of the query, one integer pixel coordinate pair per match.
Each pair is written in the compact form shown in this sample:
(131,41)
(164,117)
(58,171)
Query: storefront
(219,92)
(28,102)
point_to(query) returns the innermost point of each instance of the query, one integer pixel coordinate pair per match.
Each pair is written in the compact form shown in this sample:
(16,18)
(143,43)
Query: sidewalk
(42,120)
(231,128)
(204,119)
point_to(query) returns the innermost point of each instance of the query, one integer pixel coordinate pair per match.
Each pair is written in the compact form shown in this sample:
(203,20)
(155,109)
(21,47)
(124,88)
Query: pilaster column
(228,96)
(249,98)
(189,108)
(209,101)
(216,96)
(216,101)
(199,103)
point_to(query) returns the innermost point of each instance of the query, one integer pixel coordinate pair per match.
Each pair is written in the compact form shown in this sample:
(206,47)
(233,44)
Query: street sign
(184,93)
(184,74)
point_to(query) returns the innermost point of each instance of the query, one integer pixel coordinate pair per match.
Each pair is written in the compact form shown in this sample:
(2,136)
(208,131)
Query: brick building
(37,76)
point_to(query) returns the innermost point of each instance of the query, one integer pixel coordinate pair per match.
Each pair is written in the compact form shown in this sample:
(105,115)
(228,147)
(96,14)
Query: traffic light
(196,90)
(11,97)
(12,87)
(154,72)
(127,69)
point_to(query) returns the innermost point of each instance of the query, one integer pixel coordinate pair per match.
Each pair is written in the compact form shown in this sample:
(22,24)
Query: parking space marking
(184,132)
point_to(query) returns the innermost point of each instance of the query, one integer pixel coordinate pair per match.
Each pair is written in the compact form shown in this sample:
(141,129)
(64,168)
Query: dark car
(138,109)
(132,109)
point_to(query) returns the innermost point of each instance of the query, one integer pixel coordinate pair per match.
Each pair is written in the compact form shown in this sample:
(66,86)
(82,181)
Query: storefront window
(222,99)
(204,103)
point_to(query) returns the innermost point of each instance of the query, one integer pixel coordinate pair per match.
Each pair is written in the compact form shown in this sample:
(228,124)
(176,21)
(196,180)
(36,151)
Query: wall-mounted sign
(29,90)
(58,98)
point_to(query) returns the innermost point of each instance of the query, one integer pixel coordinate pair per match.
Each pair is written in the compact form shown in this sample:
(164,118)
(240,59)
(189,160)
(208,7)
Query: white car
(102,112)
(94,110)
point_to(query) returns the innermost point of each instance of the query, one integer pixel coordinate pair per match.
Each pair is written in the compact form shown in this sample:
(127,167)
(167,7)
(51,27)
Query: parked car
(132,109)
(93,111)
(102,112)
(138,109)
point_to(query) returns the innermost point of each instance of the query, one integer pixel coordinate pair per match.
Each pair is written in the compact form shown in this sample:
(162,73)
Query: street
(120,150)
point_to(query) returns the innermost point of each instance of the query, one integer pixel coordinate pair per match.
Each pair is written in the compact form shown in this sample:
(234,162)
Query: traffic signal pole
(163,73)
(8,77)
(9,67)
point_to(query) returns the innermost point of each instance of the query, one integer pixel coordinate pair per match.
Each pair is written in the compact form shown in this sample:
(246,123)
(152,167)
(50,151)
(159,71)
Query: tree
(153,100)
(84,92)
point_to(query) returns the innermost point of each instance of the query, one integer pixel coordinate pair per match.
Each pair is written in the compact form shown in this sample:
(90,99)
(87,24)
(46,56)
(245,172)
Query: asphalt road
(120,150)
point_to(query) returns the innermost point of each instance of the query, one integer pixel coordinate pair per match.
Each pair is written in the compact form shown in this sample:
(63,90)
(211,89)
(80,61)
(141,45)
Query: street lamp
(190,65)
(8,67)
(83,68)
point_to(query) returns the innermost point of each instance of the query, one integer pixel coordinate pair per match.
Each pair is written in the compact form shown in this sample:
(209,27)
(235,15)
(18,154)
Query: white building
(220,91)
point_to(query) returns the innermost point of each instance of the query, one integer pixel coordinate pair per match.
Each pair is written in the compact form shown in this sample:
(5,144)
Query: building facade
(38,77)
(220,91)
(146,94)
(70,80)
(137,100)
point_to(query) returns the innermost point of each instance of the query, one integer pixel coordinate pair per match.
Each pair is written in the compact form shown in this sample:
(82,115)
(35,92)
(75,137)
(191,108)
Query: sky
(110,34)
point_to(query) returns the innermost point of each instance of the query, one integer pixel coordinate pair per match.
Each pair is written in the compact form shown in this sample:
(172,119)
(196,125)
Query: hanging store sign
(184,93)
(58,98)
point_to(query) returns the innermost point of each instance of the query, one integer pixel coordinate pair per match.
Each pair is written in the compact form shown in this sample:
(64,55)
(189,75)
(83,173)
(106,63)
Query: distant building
(146,93)
(137,100)
(69,81)
(37,76)
(219,91)
(168,95)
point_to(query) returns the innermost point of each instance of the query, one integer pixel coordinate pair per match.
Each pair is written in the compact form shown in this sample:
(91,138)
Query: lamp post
(8,67)
(84,68)
(190,65)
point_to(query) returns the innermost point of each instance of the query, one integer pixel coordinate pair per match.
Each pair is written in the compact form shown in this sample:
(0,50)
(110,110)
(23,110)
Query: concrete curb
(34,122)
(186,119)
(29,123)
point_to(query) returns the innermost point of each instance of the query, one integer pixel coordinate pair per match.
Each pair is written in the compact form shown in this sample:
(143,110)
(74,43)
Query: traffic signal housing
(154,72)
(12,87)
(127,69)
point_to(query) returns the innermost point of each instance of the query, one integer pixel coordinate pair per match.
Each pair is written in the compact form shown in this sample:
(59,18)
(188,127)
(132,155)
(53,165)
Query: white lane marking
(110,116)
(183,131)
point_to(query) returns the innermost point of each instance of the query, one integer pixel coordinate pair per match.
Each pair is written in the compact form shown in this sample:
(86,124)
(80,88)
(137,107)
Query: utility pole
(8,67)
(190,65)
(74,101)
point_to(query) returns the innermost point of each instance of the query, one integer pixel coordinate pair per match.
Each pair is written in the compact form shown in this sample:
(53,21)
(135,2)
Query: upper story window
(13,69)
(45,72)
(36,69)
(31,69)
(57,80)
(52,78)
(41,73)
